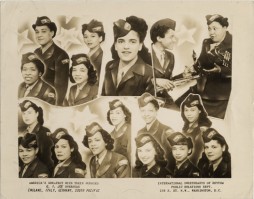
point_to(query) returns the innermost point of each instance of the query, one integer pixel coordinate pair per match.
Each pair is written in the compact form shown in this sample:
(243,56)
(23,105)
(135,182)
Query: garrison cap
(145,98)
(28,141)
(115,104)
(218,18)
(212,134)
(79,59)
(180,139)
(92,129)
(31,57)
(26,104)
(93,26)
(45,21)
(143,139)
(171,24)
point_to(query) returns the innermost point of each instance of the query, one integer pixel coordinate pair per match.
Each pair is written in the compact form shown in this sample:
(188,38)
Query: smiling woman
(105,163)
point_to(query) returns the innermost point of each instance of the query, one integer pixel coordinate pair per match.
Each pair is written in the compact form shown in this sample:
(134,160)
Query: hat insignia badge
(31,57)
(211,134)
(148,99)
(127,26)
(81,59)
(176,138)
(145,139)
(59,135)
(117,103)
(194,103)
(212,18)
(27,104)
(43,21)
(98,28)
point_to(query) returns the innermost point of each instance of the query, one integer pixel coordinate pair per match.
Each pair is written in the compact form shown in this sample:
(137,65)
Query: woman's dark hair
(105,136)
(203,119)
(225,154)
(143,54)
(158,31)
(159,157)
(38,64)
(92,74)
(125,111)
(75,155)
(100,34)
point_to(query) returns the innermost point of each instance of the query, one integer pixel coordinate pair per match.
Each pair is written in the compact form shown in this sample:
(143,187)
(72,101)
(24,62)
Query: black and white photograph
(157,94)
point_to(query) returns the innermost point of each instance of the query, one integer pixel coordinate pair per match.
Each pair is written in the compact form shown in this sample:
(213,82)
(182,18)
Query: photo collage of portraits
(90,108)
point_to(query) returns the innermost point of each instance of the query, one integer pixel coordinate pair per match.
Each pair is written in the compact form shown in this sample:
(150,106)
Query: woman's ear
(140,46)
(223,148)
(72,149)
(36,150)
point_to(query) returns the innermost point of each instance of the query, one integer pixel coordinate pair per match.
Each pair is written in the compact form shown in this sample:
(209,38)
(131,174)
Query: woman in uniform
(32,70)
(69,162)
(30,165)
(196,122)
(94,35)
(215,66)
(32,116)
(84,75)
(105,163)
(149,108)
(120,117)
(181,148)
(216,160)
(128,74)
(150,161)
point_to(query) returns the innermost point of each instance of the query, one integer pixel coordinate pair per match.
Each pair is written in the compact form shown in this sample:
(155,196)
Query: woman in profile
(105,163)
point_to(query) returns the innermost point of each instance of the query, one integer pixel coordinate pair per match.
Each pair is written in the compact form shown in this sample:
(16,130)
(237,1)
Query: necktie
(120,77)
(28,89)
(210,170)
(77,92)
(97,165)
(162,59)
(24,170)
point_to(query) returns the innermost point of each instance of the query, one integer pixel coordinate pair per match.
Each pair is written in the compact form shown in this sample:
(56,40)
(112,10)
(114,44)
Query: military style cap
(180,139)
(192,100)
(123,27)
(142,139)
(145,98)
(92,129)
(79,59)
(26,104)
(171,24)
(218,18)
(93,26)
(45,21)
(212,134)
(115,104)
(31,57)
(58,133)
(28,141)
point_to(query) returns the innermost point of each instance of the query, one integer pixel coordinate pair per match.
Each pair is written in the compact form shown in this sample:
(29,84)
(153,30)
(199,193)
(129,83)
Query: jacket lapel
(105,164)
(114,71)
(31,168)
(156,63)
(63,167)
(22,90)
(83,93)
(36,89)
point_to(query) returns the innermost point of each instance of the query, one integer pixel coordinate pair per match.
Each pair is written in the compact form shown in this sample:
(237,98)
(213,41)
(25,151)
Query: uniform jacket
(155,172)
(222,171)
(36,169)
(160,132)
(113,165)
(88,93)
(96,60)
(166,70)
(69,170)
(45,144)
(135,82)
(57,69)
(215,86)
(122,140)
(187,170)
(41,90)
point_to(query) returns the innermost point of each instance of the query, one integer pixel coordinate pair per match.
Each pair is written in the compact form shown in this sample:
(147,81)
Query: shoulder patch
(196,174)
(65,61)
(79,171)
(48,133)
(43,175)
(123,162)
(51,95)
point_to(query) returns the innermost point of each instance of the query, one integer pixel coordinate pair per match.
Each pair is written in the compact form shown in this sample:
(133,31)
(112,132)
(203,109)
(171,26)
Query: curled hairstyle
(92,76)
(75,155)
(106,138)
(159,157)
(126,112)
(203,119)
(158,31)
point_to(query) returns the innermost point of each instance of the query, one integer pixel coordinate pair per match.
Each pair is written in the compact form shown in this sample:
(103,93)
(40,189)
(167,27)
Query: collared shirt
(79,88)
(122,70)
(178,165)
(91,52)
(60,164)
(29,88)
(160,54)
(44,48)
(99,160)
(216,164)
(148,126)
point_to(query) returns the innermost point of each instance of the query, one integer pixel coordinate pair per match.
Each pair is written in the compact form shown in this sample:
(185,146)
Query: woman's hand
(164,84)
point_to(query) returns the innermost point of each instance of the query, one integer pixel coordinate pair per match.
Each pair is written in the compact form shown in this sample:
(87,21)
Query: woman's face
(191,113)
(27,155)
(43,35)
(96,143)
(148,113)
(80,73)
(147,153)
(30,116)
(214,150)
(117,116)
(216,31)
(63,150)
(169,40)
(92,40)
(180,152)
(127,47)
(30,73)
